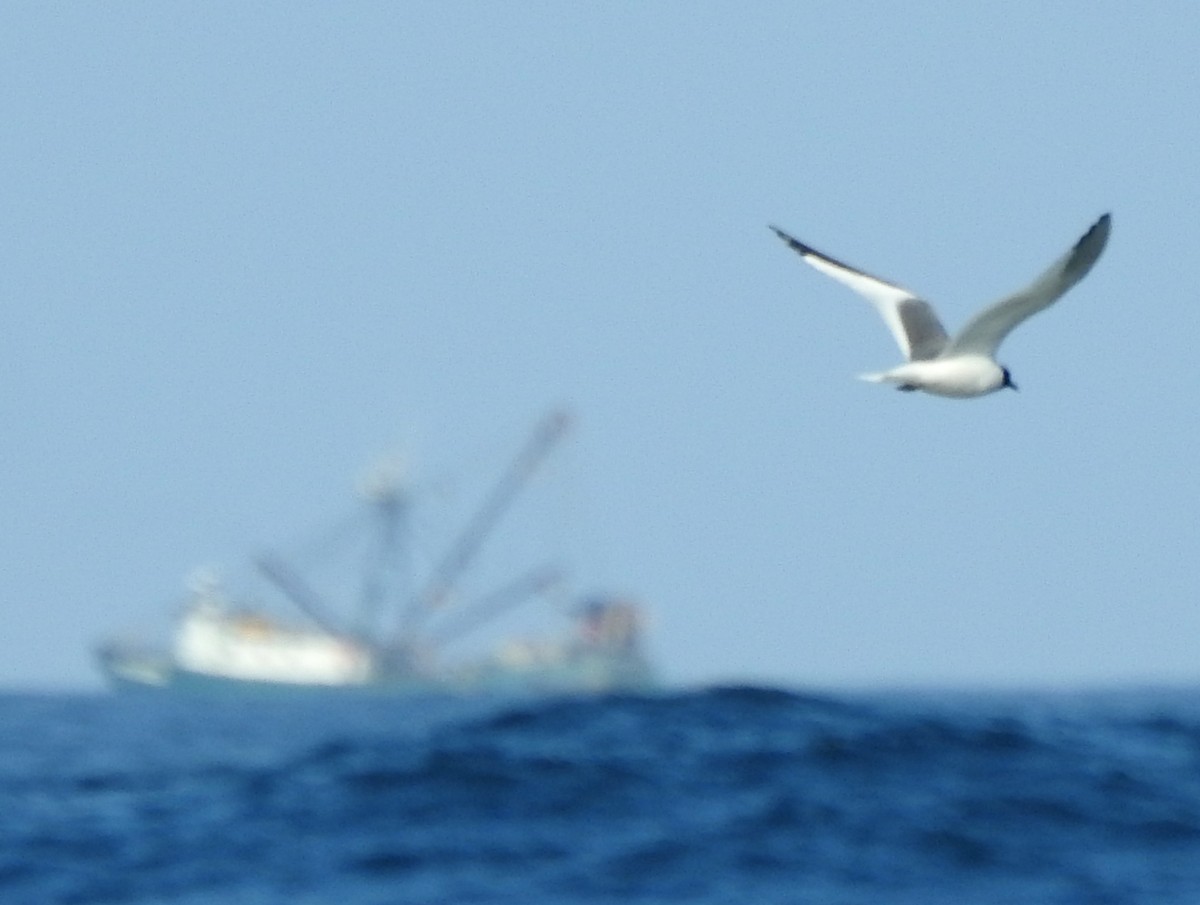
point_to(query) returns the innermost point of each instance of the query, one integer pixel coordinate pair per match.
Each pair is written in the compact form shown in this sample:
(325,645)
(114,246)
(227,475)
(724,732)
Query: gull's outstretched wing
(912,320)
(986,330)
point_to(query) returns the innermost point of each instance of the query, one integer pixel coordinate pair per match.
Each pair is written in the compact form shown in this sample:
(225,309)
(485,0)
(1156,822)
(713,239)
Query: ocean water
(725,795)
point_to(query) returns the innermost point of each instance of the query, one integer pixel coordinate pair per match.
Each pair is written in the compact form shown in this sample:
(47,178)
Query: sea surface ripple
(721,795)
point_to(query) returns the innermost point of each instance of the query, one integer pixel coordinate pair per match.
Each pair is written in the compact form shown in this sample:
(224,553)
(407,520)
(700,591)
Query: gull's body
(963,365)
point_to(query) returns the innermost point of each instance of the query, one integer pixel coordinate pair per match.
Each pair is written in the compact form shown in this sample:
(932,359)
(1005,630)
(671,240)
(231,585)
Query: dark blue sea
(726,795)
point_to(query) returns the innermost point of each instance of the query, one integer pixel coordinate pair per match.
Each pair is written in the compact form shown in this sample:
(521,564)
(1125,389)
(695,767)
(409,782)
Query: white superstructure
(213,641)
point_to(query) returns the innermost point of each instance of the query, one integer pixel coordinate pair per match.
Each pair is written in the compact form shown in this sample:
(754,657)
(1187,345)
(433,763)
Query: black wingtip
(1098,232)
(1087,250)
(791,241)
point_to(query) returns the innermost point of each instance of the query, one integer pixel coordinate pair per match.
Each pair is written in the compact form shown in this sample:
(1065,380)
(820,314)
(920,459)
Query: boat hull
(139,671)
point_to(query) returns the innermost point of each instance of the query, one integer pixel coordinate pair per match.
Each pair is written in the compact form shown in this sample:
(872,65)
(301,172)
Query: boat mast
(536,581)
(284,577)
(387,567)
(471,539)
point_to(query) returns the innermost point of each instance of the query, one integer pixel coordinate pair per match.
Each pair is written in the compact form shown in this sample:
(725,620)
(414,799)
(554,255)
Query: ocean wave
(726,794)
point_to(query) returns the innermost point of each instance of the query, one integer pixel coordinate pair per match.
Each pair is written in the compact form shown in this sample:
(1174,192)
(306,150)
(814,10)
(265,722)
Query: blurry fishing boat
(220,644)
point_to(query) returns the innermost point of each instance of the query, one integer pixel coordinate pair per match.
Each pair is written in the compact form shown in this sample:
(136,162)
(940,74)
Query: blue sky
(247,248)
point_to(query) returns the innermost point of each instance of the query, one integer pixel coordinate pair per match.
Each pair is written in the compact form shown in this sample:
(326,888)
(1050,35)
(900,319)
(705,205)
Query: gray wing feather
(987,329)
(926,337)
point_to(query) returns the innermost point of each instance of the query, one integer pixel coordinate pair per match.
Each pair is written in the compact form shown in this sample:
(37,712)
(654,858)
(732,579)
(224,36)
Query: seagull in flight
(963,365)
